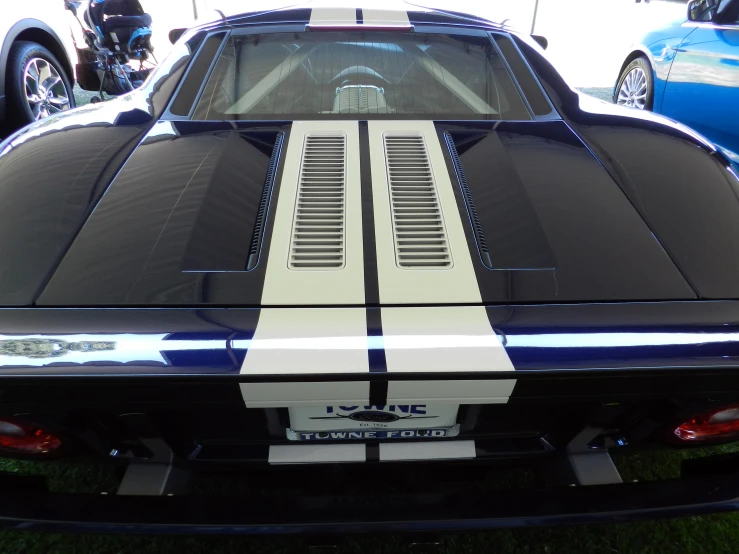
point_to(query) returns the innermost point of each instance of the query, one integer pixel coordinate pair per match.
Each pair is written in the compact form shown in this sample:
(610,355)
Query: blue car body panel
(695,66)
(703,85)
(660,46)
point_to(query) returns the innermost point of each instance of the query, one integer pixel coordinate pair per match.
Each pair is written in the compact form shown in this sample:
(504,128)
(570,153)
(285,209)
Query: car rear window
(327,75)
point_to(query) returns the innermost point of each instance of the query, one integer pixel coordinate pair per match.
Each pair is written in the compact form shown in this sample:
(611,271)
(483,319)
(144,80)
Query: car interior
(379,74)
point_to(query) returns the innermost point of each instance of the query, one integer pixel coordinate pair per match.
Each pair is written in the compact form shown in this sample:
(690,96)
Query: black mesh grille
(467,194)
(269,182)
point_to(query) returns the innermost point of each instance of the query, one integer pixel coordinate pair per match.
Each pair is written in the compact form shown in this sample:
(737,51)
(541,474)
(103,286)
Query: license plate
(373,435)
(385,422)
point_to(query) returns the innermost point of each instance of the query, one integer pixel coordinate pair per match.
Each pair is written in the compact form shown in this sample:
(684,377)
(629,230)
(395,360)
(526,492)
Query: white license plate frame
(361,434)
(409,420)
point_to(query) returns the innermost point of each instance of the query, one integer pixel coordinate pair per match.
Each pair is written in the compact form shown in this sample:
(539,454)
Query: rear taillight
(27,439)
(715,425)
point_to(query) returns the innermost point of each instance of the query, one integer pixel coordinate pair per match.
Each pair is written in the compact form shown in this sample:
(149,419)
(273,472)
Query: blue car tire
(636,85)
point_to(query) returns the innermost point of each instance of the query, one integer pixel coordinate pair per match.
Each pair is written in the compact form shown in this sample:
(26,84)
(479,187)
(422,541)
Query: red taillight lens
(20,437)
(720,424)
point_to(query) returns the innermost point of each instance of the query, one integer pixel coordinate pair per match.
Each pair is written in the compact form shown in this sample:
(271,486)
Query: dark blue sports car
(373,256)
(689,71)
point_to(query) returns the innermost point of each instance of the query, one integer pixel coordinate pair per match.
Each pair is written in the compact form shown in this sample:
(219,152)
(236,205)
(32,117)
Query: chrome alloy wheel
(633,91)
(46,92)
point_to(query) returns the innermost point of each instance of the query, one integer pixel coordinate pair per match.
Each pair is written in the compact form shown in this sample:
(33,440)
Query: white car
(37,61)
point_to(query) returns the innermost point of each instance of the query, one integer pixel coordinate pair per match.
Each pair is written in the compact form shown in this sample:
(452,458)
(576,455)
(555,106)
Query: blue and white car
(378,256)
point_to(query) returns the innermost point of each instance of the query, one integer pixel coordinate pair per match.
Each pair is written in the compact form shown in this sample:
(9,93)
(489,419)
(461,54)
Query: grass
(601,93)
(82,97)
(704,534)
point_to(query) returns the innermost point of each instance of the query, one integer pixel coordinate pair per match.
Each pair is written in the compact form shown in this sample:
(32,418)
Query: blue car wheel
(636,86)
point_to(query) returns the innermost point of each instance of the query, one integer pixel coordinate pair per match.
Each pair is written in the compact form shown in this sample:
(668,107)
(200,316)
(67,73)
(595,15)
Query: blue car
(689,71)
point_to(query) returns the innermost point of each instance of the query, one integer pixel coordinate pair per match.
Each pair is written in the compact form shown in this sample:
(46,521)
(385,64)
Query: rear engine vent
(418,225)
(360,99)
(269,182)
(482,244)
(318,227)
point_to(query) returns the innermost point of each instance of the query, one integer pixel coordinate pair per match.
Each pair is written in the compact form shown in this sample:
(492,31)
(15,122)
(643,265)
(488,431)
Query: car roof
(385,14)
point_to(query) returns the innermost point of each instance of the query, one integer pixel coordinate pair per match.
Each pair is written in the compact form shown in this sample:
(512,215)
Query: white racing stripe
(449,338)
(444,339)
(421,285)
(325,341)
(317,453)
(447,450)
(286,395)
(357,452)
(283,344)
(464,391)
(321,341)
(385,18)
(284,285)
(336,16)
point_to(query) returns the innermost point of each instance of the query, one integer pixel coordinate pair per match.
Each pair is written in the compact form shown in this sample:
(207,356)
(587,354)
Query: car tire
(30,66)
(636,85)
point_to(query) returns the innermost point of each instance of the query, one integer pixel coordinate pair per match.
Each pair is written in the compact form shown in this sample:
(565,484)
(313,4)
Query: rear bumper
(27,510)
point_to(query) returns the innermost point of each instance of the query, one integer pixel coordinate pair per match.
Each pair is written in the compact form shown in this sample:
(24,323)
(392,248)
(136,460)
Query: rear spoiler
(359,27)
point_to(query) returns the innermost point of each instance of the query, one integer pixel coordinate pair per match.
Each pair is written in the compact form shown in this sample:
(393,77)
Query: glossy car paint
(703,83)
(53,175)
(545,339)
(134,303)
(696,75)
(613,256)
(635,247)
(586,155)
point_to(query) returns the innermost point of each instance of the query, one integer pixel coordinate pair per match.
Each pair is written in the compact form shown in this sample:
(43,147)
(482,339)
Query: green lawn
(715,534)
(706,534)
